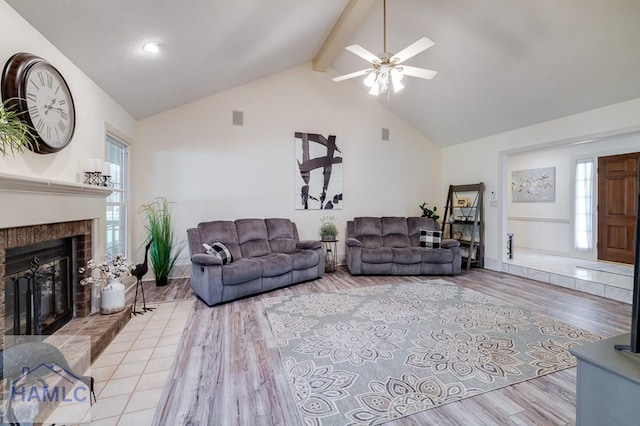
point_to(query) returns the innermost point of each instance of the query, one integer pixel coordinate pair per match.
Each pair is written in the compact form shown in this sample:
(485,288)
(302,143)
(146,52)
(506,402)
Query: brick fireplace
(36,210)
(24,236)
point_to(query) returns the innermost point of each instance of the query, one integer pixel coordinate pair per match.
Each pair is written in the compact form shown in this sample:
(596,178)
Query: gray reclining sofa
(390,246)
(267,254)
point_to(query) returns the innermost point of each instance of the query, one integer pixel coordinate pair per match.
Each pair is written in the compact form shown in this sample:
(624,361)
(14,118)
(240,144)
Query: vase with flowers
(109,281)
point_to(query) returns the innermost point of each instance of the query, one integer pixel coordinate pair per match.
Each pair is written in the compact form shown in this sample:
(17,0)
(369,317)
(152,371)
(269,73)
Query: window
(117,201)
(583,221)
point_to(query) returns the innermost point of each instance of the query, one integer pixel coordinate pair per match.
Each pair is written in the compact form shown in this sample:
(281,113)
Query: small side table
(330,255)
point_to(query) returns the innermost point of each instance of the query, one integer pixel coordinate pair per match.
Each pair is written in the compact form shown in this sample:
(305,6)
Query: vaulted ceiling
(502,64)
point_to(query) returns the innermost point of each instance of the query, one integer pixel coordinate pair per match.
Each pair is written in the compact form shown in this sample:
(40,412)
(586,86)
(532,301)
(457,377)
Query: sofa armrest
(206,259)
(449,242)
(353,242)
(309,244)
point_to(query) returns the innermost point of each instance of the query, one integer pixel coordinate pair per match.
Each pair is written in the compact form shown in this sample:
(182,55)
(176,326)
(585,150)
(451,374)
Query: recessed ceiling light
(151,47)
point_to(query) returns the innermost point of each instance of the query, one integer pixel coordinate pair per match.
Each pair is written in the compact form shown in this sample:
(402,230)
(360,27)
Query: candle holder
(98,179)
(93,178)
(106,181)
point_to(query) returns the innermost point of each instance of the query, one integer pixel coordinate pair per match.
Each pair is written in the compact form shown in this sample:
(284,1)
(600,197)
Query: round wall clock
(40,95)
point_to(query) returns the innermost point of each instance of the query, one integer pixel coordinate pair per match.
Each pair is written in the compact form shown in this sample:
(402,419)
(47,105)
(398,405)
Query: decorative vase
(328,237)
(96,296)
(112,297)
(162,281)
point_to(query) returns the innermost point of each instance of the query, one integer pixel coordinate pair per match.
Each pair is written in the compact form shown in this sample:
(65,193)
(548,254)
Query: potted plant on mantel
(166,248)
(15,135)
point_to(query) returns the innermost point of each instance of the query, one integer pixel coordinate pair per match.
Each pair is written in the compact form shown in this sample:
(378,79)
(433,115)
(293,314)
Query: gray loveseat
(390,246)
(267,254)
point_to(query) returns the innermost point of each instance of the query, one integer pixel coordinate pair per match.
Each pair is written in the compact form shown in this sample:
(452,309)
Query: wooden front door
(617,201)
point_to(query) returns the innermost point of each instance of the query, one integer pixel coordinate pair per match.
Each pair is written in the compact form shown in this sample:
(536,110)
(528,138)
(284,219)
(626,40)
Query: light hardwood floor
(228,371)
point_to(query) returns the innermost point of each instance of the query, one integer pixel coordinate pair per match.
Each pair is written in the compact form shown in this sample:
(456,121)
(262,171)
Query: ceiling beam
(349,21)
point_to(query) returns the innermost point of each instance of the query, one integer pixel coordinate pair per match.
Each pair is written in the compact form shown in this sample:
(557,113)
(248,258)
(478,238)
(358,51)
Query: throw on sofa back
(253,237)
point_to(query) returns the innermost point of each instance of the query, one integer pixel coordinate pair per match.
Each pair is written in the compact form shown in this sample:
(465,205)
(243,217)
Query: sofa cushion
(436,256)
(379,255)
(406,255)
(220,251)
(281,235)
(415,224)
(395,240)
(241,271)
(394,225)
(304,259)
(223,231)
(275,264)
(394,232)
(369,231)
(252,237)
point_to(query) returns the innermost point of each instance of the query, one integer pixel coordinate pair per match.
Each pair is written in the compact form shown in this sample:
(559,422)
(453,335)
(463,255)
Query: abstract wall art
(534,185)
(318,176)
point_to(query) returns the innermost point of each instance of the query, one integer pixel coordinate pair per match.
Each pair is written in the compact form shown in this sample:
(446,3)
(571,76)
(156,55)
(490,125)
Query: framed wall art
(534,185)
(318,176)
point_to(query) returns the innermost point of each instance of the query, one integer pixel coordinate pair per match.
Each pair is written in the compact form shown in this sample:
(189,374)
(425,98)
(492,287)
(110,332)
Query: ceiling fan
(386,70)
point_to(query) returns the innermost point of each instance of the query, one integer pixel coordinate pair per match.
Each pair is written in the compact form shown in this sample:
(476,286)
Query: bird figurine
(138,271)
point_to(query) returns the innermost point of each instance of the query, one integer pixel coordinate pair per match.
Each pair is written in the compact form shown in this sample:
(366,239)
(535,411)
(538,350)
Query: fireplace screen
(38,290)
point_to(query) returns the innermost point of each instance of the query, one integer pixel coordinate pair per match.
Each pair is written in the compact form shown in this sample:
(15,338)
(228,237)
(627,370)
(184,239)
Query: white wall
(94,111)
(535,225)
(485,159)
(93,106)
(212,170)
(542,226)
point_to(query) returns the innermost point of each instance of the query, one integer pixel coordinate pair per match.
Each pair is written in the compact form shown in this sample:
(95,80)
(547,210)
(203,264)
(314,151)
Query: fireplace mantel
(26,201)
(23,184)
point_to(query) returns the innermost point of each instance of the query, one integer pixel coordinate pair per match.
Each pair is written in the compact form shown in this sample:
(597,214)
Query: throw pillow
(430,239)
(220,251)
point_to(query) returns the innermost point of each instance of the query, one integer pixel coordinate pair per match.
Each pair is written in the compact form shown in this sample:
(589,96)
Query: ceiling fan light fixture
(386,71)
(396,77)
(371,78)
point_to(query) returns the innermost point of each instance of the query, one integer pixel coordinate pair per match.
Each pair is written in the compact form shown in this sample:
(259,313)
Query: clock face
(49,104)
(35,90)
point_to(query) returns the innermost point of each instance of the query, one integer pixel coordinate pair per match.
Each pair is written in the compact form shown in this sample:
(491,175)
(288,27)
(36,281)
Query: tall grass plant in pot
(166,248)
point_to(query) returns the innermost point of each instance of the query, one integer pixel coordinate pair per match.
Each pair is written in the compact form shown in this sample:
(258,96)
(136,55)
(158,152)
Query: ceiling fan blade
(413,49)
(418,72)
(351,75)
(363,53)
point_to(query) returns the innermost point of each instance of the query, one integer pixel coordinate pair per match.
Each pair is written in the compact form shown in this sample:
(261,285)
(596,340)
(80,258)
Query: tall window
(117,201)
(583,221)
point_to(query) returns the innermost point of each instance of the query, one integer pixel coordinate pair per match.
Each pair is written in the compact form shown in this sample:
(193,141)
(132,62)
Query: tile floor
(606,279)
(133,369)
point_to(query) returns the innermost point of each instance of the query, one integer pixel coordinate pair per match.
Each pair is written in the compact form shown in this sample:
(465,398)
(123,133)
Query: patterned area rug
(370,355)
